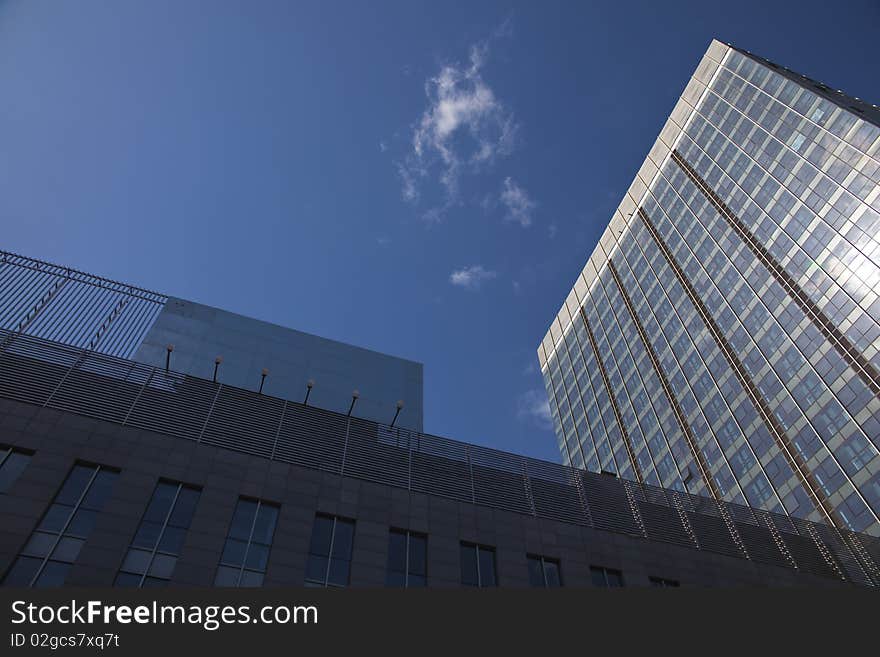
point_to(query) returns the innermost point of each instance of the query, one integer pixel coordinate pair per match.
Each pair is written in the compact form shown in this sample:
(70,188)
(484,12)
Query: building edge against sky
(200,333)
(750,229)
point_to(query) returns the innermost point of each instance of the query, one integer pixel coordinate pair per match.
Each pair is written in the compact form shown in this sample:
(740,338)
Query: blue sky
(420,178)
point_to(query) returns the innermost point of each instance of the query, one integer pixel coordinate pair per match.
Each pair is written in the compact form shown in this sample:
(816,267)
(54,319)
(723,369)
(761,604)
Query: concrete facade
(58,440)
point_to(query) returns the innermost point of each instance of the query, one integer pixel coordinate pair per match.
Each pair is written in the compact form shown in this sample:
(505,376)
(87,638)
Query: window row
(152,554)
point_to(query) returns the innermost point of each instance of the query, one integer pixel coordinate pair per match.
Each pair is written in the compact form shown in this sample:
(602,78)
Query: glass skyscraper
(724,336)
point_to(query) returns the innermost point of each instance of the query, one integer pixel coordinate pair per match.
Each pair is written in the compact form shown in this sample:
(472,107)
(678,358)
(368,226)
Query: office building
(115,472)
(724,337)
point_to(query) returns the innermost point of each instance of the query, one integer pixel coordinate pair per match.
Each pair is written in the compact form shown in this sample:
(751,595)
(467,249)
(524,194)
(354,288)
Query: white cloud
(552,230)
(410,189)
(383,241)
(464,127)
(471,278)
(383,146)
(533,406)
(433,216)
(516,200)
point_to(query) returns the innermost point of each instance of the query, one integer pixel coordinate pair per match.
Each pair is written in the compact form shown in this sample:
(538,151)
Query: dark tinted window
(55,544)
(606,577)
(246,551)
(329,559)
(470,573)
(22,572)
(12,464)
(543,572)
(551,571)
(99,491)
(477,565)
(660,582)
(152,556)
(536,571)
(407,559)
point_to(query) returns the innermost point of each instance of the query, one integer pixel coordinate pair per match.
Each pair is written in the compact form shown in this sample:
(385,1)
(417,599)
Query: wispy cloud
(383,241)
(533,406)
(471,278)
(552,229)
(464,127)
(433,216)
(488,203)
(516,200)
(409,187)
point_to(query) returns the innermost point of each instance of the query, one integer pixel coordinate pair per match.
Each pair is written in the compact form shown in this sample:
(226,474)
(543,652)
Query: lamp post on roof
(397,412)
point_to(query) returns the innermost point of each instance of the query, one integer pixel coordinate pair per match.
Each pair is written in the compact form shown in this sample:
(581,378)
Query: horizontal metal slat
(609,507)
(713,534)
(366,458)
(309,438)
(243,422)
(663,523)
(176,404)
(437,475)
(101,387)
(760,545)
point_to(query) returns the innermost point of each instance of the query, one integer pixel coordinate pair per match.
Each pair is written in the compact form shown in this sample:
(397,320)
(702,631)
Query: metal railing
(77,380)
(69,306)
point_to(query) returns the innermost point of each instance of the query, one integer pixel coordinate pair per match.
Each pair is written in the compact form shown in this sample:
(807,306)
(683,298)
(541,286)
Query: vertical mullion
(479,578)
(247,547)
(60,535)
(161,534)
(278,430)
(140,392)
(330,553)
(406,564)
(5,456)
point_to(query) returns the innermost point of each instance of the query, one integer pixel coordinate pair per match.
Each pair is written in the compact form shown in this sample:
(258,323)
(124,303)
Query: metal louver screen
(74,308)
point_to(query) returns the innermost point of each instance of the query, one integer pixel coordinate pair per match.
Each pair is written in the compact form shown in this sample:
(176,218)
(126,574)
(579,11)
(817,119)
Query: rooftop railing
(78,380)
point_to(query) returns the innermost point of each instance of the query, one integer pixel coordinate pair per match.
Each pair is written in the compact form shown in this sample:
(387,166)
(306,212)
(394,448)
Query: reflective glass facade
(291,358)
(724,337)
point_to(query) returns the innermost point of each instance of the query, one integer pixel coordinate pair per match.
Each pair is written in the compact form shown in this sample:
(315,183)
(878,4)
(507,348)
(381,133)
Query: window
(246,551)
(152,556)
(659,582)
(12,464)
(407,559)
(329,561)
(478,565)
(544,572)
(606,577)
(55,544)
